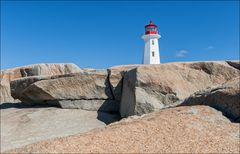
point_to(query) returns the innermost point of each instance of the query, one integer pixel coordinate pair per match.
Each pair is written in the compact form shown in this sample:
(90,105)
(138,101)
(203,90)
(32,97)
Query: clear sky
(104,34)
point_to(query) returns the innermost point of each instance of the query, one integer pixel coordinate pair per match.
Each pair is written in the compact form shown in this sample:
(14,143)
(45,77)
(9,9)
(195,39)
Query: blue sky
(104,34)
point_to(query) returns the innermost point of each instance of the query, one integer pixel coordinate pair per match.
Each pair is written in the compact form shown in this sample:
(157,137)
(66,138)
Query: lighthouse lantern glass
(151,30)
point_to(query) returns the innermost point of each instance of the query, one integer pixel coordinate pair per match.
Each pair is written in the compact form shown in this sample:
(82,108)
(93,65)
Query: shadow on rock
(109,112)
(23,105)
(108,117)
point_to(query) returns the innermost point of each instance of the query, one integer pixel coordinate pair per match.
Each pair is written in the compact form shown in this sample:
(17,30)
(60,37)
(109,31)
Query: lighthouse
(151,49)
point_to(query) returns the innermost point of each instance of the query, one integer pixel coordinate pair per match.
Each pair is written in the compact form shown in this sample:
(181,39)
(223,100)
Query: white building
(151,49)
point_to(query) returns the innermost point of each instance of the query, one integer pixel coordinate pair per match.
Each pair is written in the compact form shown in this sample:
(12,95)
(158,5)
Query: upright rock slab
(148,88)
(116,74)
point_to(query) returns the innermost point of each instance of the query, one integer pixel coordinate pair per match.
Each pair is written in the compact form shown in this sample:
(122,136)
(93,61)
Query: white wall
(148,58)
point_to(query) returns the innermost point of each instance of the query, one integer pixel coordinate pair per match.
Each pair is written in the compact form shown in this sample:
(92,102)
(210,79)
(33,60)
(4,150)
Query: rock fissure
(109,82)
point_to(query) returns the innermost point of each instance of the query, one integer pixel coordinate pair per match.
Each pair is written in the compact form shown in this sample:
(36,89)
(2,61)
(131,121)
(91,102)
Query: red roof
(151,24)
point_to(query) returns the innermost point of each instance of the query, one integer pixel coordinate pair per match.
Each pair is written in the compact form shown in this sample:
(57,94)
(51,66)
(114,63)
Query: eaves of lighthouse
(151,49)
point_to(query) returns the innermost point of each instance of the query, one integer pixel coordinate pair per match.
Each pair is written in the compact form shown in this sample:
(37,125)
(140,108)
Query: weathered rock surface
(31,70)
(191,128)
(148,88)
(5,91)
(225,98)
(65,87)
(39,69)
(22,125)
(89,105)
(196,129)
(19,85)
(89,90)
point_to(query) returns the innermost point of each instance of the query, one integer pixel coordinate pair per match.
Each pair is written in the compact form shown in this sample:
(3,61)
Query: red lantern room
(151,28)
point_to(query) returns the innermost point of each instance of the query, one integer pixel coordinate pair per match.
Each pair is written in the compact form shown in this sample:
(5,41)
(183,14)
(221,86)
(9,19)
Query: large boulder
(225,98)
(195,129)
(31,70)
(89,90)
(75,86)
(148,88)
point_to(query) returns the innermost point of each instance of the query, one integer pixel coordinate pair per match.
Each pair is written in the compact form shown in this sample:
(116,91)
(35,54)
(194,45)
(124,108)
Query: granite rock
(225,98)
(149,88)
(31,70)
(188,129)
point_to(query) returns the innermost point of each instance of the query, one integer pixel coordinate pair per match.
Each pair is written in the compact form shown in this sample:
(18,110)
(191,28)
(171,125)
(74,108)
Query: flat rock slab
(21,126)
(188,129)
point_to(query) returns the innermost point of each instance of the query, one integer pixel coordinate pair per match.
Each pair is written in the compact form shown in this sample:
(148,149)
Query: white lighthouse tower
(151,49)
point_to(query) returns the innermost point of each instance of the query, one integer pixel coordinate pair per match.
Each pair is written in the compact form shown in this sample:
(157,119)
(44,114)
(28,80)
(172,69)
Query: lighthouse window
(152,42)
(151,28)
(153,54)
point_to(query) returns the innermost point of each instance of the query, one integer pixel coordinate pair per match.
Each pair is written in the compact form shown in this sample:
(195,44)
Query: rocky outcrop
(193,91)
(89,90)
(140,88)
(196,129)
(65,87)
(148,88)
(225,98)
(31,70)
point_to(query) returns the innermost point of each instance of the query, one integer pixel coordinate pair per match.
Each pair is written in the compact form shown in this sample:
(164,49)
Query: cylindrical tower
(151,49)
